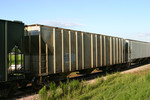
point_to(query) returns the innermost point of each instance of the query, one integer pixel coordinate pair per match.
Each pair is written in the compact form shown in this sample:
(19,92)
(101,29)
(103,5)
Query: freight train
(43,53)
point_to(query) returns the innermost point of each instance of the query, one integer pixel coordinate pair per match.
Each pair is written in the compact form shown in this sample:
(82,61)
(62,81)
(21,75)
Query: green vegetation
(114,87)
(12,59)
(11,56)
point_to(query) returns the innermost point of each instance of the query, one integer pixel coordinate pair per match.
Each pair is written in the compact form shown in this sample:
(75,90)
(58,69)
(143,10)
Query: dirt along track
(137,69)
(30,94)
(134,69)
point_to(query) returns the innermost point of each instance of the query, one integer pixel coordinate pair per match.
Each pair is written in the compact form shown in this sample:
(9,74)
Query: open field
(112,87)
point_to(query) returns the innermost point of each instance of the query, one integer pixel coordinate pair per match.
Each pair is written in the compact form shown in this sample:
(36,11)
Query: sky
(121,18)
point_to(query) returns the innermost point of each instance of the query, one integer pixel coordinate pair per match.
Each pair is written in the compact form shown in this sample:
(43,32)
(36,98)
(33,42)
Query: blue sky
(121,18)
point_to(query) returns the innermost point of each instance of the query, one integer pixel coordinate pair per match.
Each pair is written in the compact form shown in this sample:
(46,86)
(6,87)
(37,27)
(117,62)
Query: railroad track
(29,91)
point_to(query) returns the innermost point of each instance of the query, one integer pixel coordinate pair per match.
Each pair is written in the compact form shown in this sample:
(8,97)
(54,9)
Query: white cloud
(60,23)
(142,37)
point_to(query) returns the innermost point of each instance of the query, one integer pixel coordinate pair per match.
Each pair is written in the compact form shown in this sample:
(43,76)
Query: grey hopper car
(51,50)
(138,51)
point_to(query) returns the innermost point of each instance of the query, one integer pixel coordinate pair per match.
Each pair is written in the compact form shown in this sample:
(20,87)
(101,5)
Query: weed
(114,87)
(43,93)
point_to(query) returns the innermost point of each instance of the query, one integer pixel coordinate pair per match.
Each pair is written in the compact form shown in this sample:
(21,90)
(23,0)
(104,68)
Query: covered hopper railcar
(11,35)
(35,53)
(11,46)
(138,51)
(51,50)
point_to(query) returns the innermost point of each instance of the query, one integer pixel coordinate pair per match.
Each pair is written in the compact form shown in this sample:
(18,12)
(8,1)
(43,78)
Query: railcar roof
(72,30)
(137,41)
(15,21)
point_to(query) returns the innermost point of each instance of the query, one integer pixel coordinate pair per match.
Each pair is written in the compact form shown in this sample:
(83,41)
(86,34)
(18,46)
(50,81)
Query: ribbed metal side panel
(50,50)
(139,50)
(98,51)
(107,51)
(104,50)
(79,51)
(119,47)
(40,66)
(2,51)
(46,59)
(87,51)
(94,51)
(77,67)
(114,51)
(54,46)
(62,40)
(73,51)
(101,51)
(117,51)
(122,51)
(70,51)
(66,50)
(82,36)
(58,51)
(111,51)
(6,51)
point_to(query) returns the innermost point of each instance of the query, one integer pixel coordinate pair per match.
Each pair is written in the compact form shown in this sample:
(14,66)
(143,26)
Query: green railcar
(11,33)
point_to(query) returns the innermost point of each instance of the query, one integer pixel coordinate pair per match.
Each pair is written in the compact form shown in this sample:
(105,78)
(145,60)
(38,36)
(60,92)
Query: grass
(114,87)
